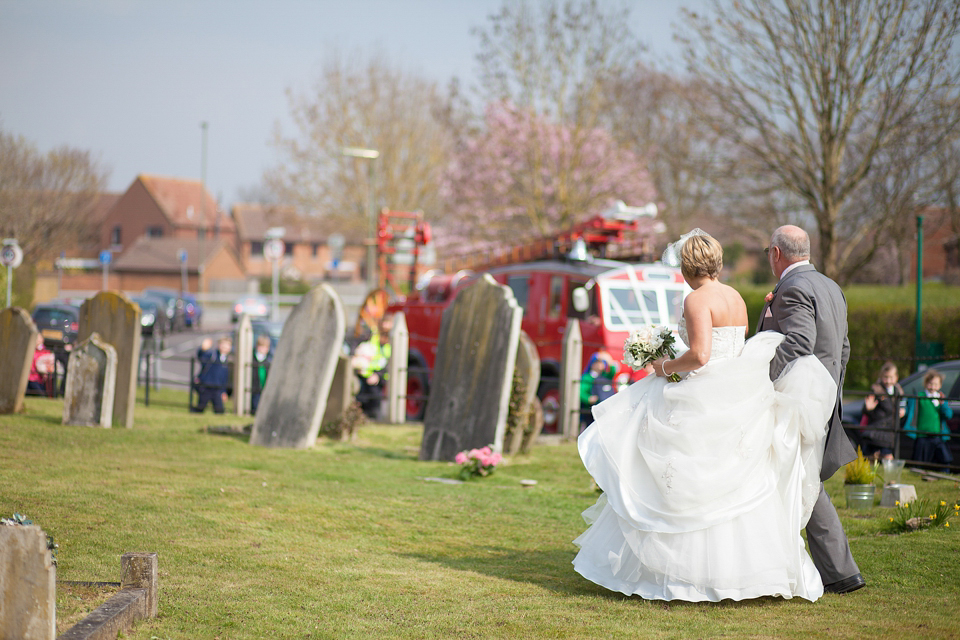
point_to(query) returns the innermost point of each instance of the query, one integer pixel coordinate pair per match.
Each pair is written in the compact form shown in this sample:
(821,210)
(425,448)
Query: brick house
(162,207)
(307,254)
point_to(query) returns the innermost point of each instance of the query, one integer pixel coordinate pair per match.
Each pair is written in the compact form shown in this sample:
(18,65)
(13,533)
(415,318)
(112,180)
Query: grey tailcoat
(810,310)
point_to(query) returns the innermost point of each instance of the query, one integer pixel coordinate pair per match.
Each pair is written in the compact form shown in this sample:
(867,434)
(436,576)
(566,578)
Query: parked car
(152,317)
(59,324)
(192,311)
(173,306)
(254,305)
(913,386)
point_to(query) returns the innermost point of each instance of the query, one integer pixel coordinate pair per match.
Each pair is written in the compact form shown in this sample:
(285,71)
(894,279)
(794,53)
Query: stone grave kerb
(18,341)
(242,366)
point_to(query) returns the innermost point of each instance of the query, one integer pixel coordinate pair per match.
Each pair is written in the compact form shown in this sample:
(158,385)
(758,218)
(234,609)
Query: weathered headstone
(91,381)
(18,341)
(28,585)
(292,404)
(341,391)
(528,368)
(473,371)
(571,369)
(243,366)
(397,371)
(117,320)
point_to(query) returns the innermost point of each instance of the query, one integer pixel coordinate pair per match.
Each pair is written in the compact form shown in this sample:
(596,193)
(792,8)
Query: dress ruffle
(707,482)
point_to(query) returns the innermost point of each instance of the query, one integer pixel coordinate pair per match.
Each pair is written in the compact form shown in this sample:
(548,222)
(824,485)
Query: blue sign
(105,257)
(182,255)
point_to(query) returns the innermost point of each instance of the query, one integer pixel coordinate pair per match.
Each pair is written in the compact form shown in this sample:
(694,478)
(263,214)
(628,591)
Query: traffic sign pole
(11,255)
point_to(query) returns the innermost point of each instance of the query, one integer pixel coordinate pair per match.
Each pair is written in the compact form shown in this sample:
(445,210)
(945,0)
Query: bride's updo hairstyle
(700,256)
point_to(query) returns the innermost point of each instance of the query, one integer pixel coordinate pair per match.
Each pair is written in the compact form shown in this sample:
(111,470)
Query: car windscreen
(52,317)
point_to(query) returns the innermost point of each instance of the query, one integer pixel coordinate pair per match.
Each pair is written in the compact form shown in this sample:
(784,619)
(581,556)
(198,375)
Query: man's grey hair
(793,246)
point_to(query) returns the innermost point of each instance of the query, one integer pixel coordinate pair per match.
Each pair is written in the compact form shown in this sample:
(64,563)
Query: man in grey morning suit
(810,310)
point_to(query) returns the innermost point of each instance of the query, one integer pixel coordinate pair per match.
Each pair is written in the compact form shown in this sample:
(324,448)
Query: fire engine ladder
(597,233)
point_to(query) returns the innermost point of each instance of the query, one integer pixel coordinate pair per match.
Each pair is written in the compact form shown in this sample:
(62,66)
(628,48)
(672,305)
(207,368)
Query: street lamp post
(371,155)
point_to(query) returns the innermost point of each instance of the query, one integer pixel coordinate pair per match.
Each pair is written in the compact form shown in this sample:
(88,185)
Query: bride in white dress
(707,482)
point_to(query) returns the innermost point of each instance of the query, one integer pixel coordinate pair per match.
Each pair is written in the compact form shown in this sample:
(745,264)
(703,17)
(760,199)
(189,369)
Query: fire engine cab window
(630,309)
(520,286)
(555,309)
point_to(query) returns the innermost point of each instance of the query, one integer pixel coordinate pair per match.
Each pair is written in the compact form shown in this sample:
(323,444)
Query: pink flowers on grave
(477,462)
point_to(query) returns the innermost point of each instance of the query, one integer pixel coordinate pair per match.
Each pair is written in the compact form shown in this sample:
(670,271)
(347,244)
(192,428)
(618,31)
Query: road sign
(182,255)
(11,255)
(105,257)
(273,249)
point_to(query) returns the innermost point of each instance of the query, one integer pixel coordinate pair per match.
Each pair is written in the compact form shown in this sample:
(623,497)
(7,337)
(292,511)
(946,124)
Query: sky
(132,80)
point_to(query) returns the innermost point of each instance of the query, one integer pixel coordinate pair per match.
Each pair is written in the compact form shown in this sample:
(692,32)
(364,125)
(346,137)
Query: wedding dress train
(708,482)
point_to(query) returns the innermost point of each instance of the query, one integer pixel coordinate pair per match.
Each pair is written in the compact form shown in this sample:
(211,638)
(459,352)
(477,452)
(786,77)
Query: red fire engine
(553,280)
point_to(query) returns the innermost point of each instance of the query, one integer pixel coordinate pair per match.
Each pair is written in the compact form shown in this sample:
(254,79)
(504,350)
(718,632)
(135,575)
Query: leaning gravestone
(18,341)
(528,368)
(473,371)
(91,382)
(117,320)
(28,584)
(295,397)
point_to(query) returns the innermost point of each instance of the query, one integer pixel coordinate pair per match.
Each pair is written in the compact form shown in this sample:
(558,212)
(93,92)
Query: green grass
(347,540)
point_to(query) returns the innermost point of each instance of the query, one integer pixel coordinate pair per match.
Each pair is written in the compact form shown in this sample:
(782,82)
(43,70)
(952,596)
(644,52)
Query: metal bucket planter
(859,496)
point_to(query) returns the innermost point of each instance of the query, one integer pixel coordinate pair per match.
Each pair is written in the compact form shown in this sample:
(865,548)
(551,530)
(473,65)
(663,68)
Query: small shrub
(344,427)
(860,471)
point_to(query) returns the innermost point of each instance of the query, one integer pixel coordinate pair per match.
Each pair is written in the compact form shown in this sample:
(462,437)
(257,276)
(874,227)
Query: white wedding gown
(707,482)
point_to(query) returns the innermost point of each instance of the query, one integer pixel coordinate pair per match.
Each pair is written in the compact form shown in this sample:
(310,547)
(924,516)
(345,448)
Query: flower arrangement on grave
(920,514)
(477,462)
(646,344)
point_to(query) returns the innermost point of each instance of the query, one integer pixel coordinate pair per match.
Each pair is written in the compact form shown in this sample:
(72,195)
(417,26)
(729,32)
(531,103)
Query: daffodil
(891,519)
(946,524)
(897,504)
(943,503)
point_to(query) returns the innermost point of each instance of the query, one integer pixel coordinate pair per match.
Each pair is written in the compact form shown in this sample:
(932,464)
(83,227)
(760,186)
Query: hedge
(880,332)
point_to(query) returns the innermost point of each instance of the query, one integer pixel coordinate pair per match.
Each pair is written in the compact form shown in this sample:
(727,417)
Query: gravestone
(341,391)
(117,320)
(473,371)
(18,341)
(91,381)
(528,368)
(28,584)
(295,396)
(243,366)
(571,369)
(397,370)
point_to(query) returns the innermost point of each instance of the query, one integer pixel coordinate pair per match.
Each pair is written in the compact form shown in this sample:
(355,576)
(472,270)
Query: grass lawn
(348,540)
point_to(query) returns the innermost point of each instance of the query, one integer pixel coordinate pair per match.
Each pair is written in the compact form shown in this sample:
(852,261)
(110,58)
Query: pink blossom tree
(523,175)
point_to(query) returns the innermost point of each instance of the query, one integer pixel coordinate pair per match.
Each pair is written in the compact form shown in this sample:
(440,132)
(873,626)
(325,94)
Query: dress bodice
(727,341)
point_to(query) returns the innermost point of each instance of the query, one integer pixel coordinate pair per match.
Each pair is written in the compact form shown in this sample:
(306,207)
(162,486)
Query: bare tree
(369,105)
(47,200)
(818,91)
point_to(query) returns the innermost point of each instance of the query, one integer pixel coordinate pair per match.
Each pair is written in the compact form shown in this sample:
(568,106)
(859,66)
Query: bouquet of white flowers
(646,345)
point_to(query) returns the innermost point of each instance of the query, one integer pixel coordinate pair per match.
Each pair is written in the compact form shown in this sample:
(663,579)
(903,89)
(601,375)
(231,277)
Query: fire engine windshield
(630,305)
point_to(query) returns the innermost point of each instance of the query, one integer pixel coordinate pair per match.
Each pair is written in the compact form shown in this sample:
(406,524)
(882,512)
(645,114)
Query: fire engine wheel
(550,400)
(417,391)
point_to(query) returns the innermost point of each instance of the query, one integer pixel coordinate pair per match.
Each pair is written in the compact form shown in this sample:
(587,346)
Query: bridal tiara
(671,255)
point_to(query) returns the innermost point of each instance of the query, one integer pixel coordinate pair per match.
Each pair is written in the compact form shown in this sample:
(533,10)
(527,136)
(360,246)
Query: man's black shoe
(846,585)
